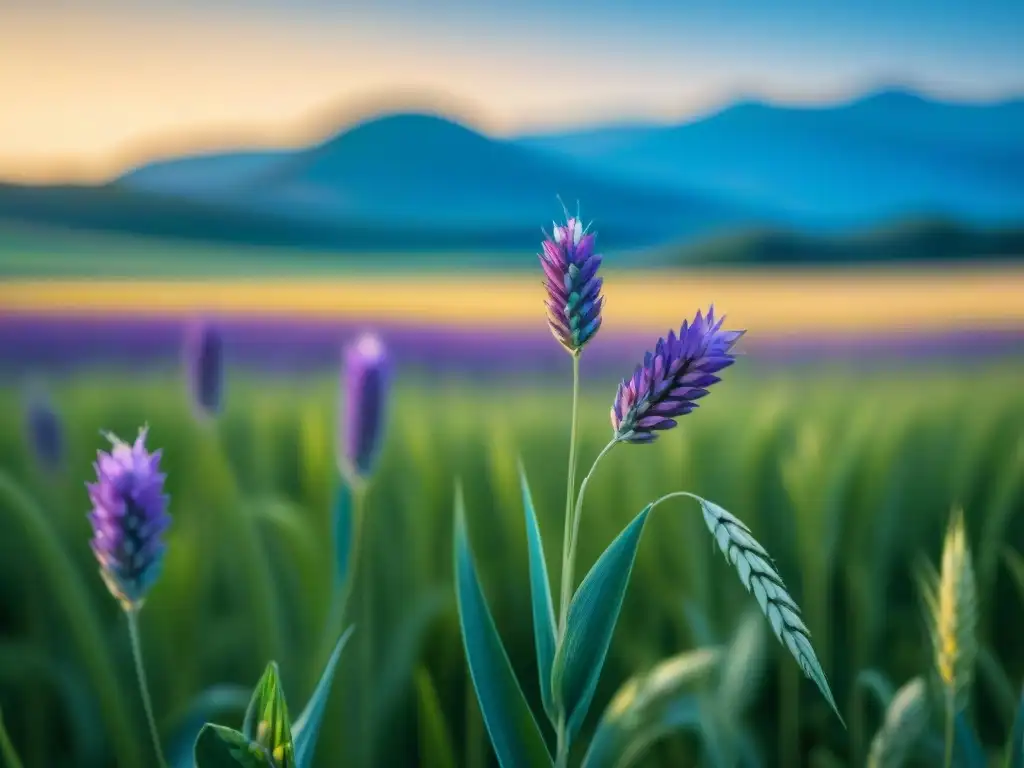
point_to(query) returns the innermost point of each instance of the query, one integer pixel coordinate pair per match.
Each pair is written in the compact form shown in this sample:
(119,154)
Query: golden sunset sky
(91,89)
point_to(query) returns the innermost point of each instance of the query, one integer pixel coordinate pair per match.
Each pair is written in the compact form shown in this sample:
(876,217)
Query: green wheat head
(951,600)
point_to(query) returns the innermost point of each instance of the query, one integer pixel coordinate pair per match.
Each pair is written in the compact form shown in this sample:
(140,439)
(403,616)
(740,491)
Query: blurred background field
(296,175)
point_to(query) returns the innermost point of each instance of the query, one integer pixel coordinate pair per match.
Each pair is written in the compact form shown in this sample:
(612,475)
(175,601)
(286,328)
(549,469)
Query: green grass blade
(593,614)
(650,706)
(273,726)
(7,751)
(540,598)
(220,747)
(307,725)
(967,745)
(514,732)
(436,749)
(66,589)
(1015,745)
(207,705)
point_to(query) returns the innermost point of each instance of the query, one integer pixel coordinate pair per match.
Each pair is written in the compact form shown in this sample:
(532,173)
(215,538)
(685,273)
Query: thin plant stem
(7,750)
(570,490)
(366,645)
(140,673)
(570,566)
(950,716)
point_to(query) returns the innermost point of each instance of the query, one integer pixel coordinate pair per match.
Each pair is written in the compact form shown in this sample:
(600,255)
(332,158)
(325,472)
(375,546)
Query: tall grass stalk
(952,601)
(140,675)
(10,755)
(570,492)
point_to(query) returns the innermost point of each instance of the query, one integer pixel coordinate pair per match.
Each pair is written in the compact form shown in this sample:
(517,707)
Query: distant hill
(891,154)
(417,170)
(902,243)
(421,182)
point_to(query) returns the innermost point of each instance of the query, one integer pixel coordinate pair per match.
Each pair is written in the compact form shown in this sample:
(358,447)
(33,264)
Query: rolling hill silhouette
(889,155)
(422,181)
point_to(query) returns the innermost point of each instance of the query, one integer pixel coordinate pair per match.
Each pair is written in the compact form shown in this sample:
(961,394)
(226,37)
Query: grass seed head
(906,721)
(128,519)
(672,379)
(954,608)
(574,300)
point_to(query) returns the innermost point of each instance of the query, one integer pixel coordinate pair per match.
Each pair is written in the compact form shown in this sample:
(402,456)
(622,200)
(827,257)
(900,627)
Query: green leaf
(270,715)
(204,707)
(436,749)
(1015,747)
(590,624)
(514,733)
(650,706)
(967,745)
(220,747)
(307,726)
(540,596)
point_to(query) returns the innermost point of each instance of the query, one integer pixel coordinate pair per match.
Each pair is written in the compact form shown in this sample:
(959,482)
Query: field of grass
(845,477)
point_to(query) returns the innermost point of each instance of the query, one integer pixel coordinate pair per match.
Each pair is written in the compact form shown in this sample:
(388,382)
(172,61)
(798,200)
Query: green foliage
(513,730)
(540,597)
(593,614)
(903,447)
(220,747)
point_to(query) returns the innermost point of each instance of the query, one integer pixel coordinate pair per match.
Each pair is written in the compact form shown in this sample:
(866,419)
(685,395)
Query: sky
(90,91)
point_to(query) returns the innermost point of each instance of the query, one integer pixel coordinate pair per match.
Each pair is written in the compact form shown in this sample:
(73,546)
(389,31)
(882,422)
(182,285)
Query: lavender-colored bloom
(366,383)
(45,432)
(670,380)
(204,362)
(574,290)
(128,518)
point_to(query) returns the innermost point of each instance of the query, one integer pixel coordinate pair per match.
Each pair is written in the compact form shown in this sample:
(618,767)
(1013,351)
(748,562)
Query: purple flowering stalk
(366,384)
(128,519)
(571,652)
(204,366)
(574,304)
(44,430)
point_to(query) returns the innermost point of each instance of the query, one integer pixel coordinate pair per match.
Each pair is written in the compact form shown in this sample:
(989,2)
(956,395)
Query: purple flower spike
(366,389)
(128,518)
(670,380)
(574,290)
(204,361)
(45,432)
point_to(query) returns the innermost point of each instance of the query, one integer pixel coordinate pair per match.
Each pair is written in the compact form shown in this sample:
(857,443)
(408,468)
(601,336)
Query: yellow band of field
(773,301)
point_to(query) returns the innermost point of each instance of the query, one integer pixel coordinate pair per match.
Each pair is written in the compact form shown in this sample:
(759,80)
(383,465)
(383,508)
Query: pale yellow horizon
(88,95)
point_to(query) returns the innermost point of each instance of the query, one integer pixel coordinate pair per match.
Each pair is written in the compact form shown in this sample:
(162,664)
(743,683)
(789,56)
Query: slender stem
(570,564)
(140,673)
(950,716)
(7,751)
(570,485)
(364,696)
(562,747)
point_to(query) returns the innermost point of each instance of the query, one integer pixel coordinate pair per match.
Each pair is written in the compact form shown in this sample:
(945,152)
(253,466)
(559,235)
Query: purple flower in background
(366,382)
(670,380)
(204,362)
(44,431)
(574,290)
(128,518)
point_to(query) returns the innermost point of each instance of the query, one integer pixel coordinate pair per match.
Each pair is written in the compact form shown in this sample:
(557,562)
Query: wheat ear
(906,721)
(759,575)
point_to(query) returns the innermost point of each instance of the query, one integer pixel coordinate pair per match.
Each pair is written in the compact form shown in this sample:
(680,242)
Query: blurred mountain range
(411,181)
